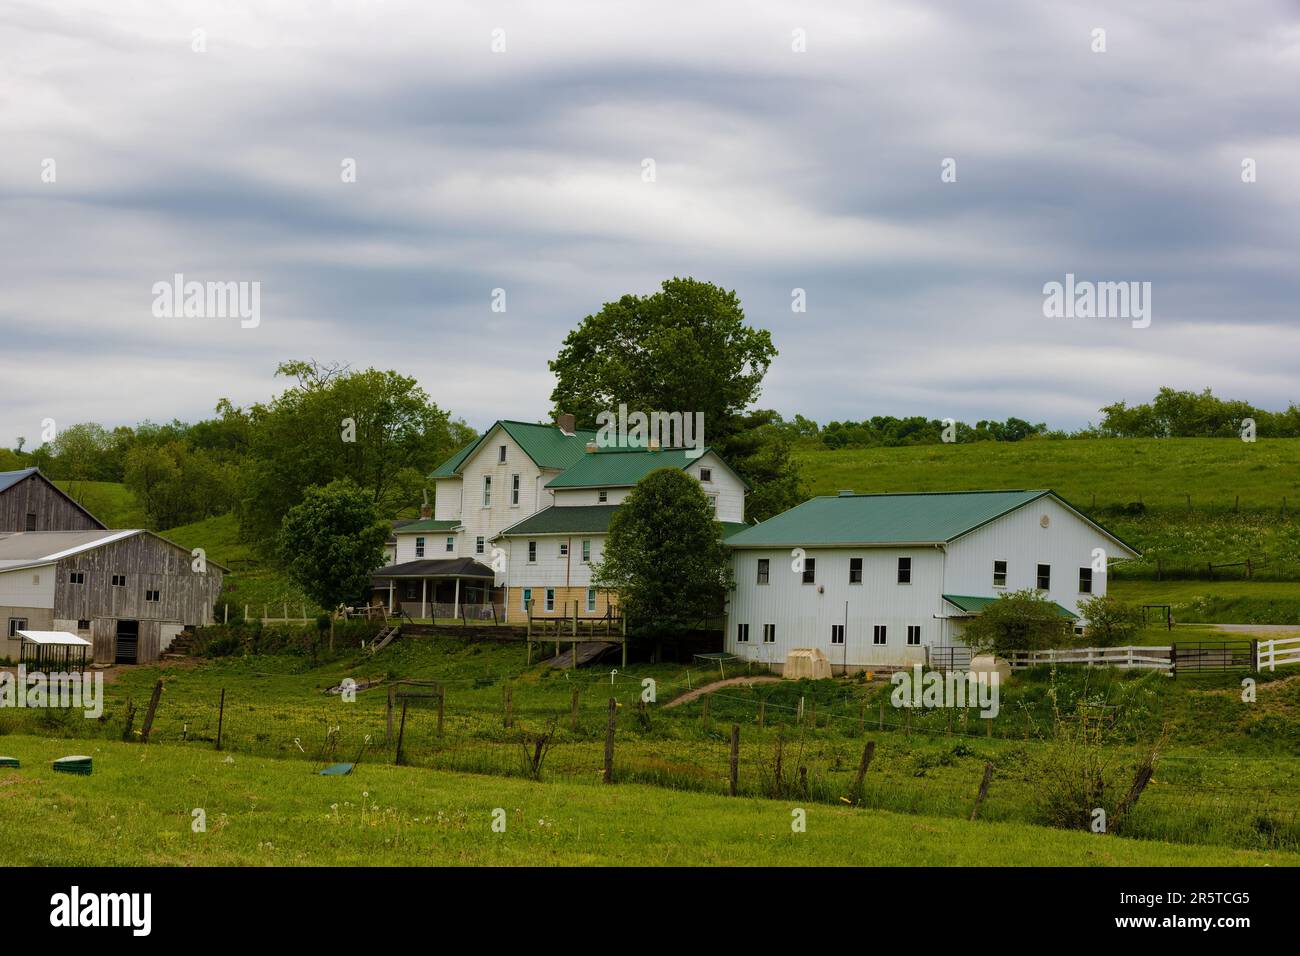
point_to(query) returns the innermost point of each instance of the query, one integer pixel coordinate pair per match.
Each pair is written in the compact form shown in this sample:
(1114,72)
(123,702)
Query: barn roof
(10,478)
(624,467)
(25,549)
(974,604)
(878,520)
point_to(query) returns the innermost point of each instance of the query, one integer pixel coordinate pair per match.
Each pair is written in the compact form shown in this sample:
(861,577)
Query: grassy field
(108,501)
(1228,773)
(137,809)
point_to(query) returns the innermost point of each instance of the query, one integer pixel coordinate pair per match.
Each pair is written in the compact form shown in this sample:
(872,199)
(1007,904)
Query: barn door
(127,642)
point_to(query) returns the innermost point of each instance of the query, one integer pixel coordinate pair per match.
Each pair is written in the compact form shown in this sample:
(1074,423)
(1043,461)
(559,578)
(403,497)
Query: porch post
(424,598)
(457,614)
(391,585)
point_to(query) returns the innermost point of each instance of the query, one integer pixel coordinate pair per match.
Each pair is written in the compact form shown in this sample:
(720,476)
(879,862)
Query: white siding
(1019,538)
(566,497)
(551,570)
(722,485)
(28,587)
(803,613)
(435,546)
(446,499)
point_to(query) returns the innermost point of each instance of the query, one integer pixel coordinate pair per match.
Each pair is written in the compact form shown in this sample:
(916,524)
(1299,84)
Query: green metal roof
(586,519)
(428,524)
(546,445)
(973,605)
(620,468)
(847,519)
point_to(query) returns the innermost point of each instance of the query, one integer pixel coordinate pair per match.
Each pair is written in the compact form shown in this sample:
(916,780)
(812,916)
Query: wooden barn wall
(185,597)
(53,511)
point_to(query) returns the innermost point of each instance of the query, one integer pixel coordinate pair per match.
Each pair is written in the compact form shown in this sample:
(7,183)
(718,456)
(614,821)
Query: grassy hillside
(109,501)
(137,809)
(1160,473)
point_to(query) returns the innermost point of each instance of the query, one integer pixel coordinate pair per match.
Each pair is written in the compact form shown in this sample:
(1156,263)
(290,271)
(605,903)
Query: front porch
(450,589)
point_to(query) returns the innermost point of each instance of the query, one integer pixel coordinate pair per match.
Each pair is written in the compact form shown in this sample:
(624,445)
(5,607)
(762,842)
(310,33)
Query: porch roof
(440,568)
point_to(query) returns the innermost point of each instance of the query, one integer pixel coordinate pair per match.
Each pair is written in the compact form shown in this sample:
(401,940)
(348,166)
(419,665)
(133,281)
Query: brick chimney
(426,509)
(565,423)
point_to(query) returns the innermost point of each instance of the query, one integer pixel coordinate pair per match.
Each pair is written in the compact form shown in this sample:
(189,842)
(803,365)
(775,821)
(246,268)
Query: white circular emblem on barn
(1045,521)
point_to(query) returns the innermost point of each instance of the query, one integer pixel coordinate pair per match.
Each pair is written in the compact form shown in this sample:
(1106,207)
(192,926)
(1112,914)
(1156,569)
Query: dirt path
(699,692)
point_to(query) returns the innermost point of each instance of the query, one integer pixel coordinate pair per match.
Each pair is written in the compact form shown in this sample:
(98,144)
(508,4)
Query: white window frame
(586,551)
(480,544)
(769,633)
(879,635)
(996,562)
(1038,576)
(550,599)
(706,474)
(742,633)
(487,491)
(837,634)
(602,497)
(1082,572)
(419,547)
(514,491)
(898,574)
(914,629)
(532,552)
(591,600)
(564,549)
(501,454)
(451,544)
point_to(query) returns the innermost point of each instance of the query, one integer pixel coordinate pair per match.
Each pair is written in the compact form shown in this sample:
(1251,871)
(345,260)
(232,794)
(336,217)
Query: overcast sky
(523,170)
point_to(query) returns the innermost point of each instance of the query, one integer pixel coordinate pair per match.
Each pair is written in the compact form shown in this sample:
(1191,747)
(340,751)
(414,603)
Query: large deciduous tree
(331,541)
(685,348)
(378,429)
(664,556)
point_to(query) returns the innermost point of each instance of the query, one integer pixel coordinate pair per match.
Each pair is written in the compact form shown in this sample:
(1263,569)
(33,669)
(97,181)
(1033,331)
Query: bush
(1110,621)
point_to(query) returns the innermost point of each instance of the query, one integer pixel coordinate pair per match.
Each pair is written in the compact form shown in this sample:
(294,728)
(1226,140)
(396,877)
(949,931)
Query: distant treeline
(1171,414)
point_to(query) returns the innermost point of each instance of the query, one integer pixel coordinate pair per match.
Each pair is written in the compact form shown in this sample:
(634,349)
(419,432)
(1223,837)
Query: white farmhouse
(540,497)
(883,580)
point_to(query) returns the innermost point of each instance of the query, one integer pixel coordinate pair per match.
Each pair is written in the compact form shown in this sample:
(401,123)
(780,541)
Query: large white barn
(882,580)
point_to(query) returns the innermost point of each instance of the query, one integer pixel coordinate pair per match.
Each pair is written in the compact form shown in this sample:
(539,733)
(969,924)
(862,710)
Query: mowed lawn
(137,809)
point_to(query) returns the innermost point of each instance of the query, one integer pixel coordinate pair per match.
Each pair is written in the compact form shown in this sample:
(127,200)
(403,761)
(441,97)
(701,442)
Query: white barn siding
(803,616)
(1018,538)
(446,498)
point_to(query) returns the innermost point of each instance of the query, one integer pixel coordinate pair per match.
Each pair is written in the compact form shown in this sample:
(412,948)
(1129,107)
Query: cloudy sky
(521,169)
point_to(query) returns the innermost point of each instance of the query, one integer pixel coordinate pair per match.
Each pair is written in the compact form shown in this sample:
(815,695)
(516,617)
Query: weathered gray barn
(31,502)
(129,592)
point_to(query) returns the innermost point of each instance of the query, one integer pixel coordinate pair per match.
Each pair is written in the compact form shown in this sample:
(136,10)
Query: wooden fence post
(401,732)
(984,791)
(221,716)
(855,792)
(735,758)
(609,741)
(148,714)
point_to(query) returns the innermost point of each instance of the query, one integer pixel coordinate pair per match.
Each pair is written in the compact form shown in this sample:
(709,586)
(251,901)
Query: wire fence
(591,729)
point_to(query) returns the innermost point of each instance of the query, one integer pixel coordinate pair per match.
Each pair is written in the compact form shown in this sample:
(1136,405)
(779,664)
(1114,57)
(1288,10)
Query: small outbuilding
(48,651)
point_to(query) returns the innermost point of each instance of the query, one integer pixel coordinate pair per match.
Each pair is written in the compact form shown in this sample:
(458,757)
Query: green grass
(136,809)
(1214,602)
(109,501)
(1228,777)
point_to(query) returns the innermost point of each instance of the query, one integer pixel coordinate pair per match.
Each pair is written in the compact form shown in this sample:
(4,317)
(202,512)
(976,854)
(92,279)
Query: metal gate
(1197,656)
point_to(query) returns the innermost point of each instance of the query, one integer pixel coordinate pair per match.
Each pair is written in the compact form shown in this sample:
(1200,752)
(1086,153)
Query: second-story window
(809,570)
(501,454)
(904,570)
(763,566)
(487,491)
(478,545)
(586,551)
(514,491)
(1044,577)
(532,552)
(451,542)
(564,549)
(419,547)
(855,570)
(706,474)
(602,496)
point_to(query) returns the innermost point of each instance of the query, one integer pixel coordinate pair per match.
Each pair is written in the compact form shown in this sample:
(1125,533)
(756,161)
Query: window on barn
(152,596)
(419,547)
(1044,577)
(904,570)
(914,634)
(763,565)
(83,625)
(742,633)
(16,624)
(1085,580)
(31,522)
(999,574)
(837,633)
(855,570)
(119,580)
(878,634)
(76,577)
(769,633)
(809,570)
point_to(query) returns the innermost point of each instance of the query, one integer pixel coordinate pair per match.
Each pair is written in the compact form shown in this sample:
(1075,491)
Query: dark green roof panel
(974,605)
(883,519)
(544,444)
(616,469)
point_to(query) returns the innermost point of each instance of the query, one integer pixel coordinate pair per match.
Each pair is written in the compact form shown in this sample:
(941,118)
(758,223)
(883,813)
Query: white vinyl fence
(1156,658)
(1273,654)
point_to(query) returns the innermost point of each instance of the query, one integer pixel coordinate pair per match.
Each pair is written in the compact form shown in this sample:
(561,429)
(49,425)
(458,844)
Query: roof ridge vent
(846,493)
